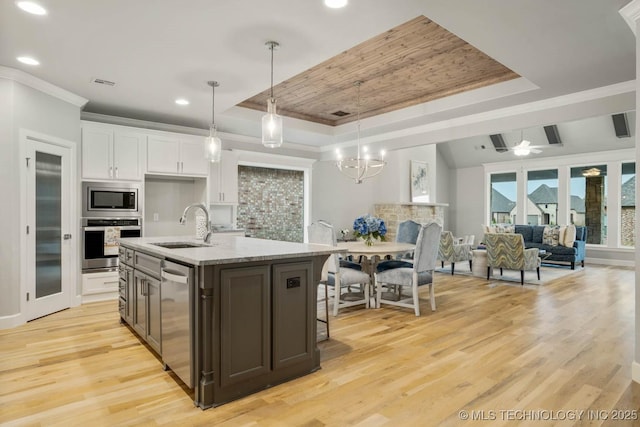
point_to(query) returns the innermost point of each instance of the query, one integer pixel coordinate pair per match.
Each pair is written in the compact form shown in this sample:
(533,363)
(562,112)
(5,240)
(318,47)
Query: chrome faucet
(183,219)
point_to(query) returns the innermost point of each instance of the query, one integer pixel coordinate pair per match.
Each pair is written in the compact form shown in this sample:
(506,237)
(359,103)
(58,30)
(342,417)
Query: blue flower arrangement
(369,228)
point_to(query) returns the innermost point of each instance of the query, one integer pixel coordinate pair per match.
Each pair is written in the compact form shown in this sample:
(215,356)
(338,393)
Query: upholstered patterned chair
(506,250)
(452,252)
(338,277)
(412,275)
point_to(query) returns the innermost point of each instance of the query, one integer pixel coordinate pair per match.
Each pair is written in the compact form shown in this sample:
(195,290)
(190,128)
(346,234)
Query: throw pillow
(551,235)
(569,236)
(561,234)
(505,228)
(538,231)
(489,229)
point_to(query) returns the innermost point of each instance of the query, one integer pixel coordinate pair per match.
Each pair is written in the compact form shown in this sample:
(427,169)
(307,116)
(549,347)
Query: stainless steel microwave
(110,199)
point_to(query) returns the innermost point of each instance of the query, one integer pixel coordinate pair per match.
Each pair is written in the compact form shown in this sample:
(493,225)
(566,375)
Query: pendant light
(271,122)
(362,166)
(213,144)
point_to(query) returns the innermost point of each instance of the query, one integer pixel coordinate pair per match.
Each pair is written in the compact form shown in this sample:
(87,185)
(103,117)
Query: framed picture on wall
(419,181)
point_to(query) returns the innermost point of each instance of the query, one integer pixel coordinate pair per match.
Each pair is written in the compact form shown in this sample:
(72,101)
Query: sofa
(533,238)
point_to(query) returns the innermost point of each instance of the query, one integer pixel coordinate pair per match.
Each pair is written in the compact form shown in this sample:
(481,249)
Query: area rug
(548,273)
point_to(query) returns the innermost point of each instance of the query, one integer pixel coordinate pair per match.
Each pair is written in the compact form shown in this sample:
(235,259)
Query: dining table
(370,255)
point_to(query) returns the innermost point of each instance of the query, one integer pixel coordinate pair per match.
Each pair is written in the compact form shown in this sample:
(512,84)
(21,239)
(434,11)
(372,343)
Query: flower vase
(368,240)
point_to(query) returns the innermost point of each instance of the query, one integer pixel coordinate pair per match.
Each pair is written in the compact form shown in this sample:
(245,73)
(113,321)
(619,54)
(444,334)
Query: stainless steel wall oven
(100,241)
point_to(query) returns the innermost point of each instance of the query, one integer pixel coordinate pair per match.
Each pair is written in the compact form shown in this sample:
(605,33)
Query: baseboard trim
(105,296)
(8,322)
(605,261)
(635,371)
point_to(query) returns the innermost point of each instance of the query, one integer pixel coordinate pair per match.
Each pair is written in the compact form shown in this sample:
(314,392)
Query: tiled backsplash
(271,203)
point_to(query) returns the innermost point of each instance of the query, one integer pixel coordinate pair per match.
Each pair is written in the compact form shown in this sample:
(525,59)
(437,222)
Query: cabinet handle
(110,172)
(182,167)
(178,166)
(116,171)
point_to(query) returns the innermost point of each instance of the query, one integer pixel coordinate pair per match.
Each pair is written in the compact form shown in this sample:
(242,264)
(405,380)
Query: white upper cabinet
(193,158)
(176,156)
(111,154)
(224,179)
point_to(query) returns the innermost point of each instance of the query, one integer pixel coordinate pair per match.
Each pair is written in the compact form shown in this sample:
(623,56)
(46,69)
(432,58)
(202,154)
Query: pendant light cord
(213,105)
(358,83)
(271,48)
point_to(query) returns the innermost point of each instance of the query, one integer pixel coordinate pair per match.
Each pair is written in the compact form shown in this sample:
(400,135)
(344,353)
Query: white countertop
(224,249)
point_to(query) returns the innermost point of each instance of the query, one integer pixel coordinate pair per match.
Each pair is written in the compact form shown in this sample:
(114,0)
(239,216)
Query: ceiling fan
(524,148)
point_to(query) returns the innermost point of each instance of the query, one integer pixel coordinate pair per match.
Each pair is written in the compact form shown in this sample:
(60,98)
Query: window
(588,189)
(503,198)
(628,205)
(542,195)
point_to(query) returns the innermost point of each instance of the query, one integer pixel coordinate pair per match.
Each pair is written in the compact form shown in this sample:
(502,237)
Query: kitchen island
(231,317)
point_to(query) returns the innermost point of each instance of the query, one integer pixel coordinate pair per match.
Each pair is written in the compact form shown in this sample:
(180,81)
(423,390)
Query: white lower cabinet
(100,286)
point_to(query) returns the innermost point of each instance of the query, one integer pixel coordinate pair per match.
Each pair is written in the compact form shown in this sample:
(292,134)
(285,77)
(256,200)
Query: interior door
(48,275)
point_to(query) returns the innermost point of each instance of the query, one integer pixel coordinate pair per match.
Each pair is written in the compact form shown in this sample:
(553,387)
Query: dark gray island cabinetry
(251,322)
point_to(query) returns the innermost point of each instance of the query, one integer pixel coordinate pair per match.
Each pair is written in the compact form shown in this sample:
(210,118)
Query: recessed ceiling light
(182,101)
(31,7)
(335,4)
(28,60)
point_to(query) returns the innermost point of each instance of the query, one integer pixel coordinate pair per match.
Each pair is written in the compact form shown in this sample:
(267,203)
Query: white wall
(168,197)
(466,207)
(22,107)
(445,186)
(337,199)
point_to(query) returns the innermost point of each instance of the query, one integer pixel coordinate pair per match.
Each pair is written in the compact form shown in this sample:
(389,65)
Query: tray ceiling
(415,62)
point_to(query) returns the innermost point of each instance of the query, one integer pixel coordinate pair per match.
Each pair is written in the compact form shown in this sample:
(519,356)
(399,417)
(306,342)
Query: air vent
(103,82)
(620,125)
(340,113)
(498,143)
(553,136)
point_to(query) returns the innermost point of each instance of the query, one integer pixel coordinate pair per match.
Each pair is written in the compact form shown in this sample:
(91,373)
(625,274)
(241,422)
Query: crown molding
(26,79)
(631,14)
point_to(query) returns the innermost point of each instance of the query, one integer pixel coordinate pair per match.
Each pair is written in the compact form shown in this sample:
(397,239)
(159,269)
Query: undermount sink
(179,245)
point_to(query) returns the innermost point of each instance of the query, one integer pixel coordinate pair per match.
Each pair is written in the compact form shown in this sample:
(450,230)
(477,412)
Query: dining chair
(418,274)
(338,277)
(408,233)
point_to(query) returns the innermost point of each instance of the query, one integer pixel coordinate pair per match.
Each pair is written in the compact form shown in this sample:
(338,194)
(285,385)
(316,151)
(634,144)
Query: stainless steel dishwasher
(176,291)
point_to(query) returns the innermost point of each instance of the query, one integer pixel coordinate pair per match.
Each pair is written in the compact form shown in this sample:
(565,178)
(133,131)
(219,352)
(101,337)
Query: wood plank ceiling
(413,63)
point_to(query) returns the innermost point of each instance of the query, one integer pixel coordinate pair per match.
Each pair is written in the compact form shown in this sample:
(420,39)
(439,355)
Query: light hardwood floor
(567,345)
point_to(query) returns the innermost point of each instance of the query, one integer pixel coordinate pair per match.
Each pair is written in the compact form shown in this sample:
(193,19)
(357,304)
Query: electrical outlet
(156,217)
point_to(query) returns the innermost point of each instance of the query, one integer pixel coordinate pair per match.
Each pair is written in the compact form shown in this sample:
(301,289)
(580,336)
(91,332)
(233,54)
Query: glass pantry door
(49,286)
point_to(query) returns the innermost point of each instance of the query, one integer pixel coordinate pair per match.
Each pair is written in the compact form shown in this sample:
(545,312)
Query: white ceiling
(157,51)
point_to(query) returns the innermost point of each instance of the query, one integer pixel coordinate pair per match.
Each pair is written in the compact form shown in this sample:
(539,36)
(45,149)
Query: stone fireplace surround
(394,213)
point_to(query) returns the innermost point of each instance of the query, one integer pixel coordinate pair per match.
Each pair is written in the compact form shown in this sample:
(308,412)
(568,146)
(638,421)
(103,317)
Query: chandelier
(591,172)
(362,166)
